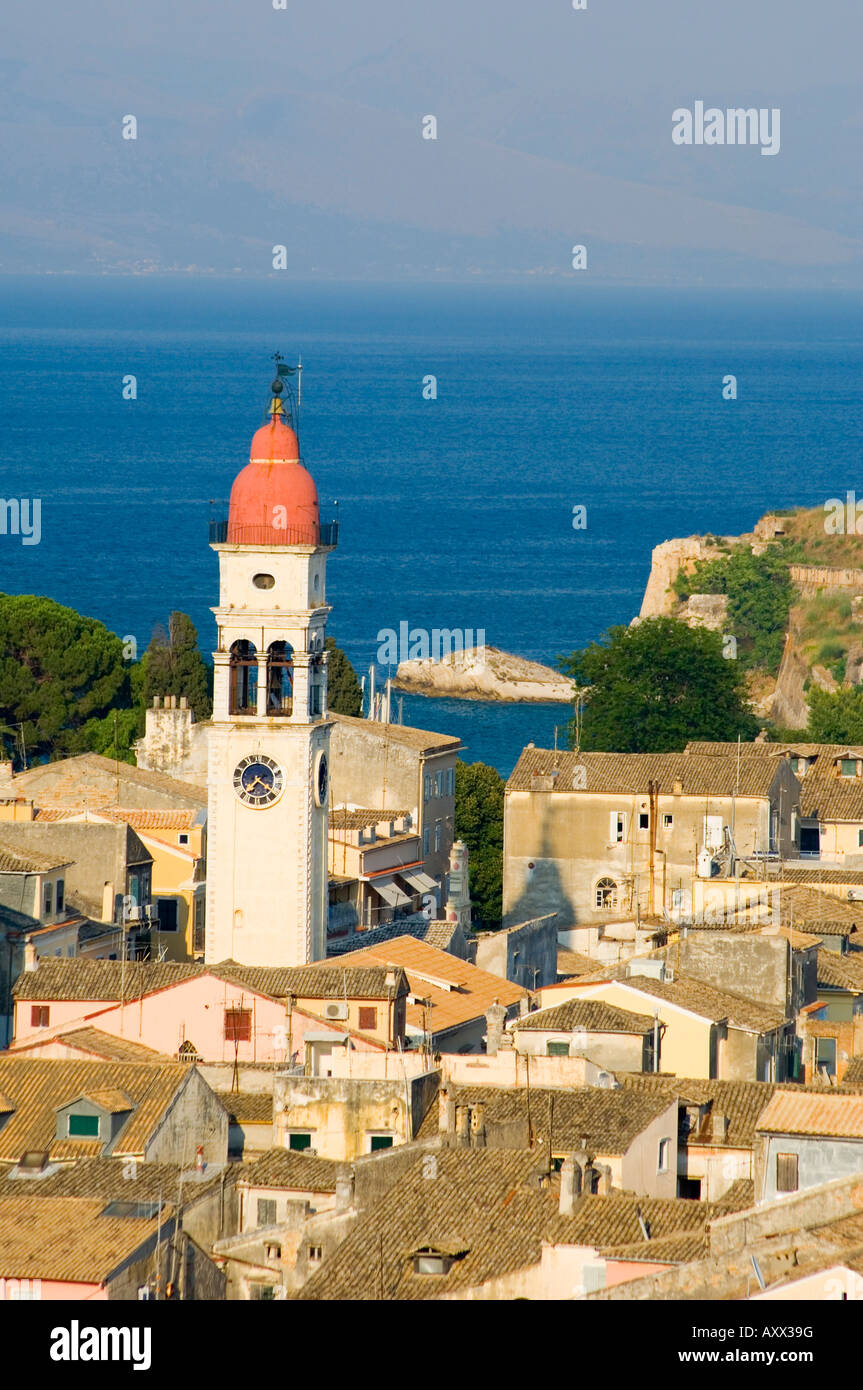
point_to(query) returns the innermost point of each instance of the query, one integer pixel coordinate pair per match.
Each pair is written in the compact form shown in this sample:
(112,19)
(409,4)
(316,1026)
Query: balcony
(264,536)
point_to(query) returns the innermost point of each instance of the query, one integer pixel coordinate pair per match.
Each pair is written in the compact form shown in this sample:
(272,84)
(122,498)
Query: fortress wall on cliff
(666,562)
(810,578)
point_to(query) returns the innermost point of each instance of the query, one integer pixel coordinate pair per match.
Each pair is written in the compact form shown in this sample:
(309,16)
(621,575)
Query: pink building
(179,1009)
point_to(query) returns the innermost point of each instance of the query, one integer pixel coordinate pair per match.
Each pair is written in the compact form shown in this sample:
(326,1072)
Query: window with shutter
(238,1025)
(39,1015)
(266,1211)
(368,1019)
(786,1172)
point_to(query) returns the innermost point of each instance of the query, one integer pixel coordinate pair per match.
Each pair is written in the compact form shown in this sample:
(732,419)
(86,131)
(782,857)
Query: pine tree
(344,692)
(173,665)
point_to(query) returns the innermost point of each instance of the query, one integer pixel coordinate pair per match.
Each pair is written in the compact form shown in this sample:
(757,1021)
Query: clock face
(322,779)
(258,781)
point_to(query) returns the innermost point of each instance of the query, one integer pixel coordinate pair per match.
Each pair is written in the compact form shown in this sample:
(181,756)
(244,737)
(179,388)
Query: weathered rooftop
(291,1171)
(610,1120)
(827,1115)
(592,1015)
(459,991)
(67,1239)
(37,1086)
(631,772)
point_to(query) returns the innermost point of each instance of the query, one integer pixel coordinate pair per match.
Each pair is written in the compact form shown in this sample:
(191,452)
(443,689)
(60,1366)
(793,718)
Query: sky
(302,127)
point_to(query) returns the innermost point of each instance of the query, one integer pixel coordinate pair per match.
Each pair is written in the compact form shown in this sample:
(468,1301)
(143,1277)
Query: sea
(455,511)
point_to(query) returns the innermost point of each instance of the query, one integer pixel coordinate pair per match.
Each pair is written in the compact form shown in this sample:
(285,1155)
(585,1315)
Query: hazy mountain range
(303,127)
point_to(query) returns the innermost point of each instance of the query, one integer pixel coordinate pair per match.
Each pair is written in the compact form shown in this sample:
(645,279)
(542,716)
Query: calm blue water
(454,513)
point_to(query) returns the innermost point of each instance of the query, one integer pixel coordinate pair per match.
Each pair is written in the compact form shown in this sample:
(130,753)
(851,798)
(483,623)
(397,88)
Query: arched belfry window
(244,678)
(280,678)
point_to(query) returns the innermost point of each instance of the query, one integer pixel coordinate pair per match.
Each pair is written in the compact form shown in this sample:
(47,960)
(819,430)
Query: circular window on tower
(263,581)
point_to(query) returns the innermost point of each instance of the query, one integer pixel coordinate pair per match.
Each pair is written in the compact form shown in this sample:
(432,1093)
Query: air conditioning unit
(336,1011)
(151,913)
(855,895)
(133,914)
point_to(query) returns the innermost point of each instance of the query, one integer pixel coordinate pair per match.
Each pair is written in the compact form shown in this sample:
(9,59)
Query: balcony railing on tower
(263,535)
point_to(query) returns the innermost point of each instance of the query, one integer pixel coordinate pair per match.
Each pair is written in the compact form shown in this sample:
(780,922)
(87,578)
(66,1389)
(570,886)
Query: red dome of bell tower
(274,500)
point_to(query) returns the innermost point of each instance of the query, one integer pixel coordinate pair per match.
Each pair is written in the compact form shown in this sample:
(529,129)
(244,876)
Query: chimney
(199,1159)
(108,903)
(184,702)
(477,1126)
(605,1181)
(462,1126)
(157,702)
(570,1184)
(523,1006)
(5,779)
(494,1020)
(345,1187)
(446,1112)
(719,1128)
(31,960)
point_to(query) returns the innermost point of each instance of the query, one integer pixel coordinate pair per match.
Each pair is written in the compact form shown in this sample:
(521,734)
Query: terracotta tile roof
(94,1043)
(89,779)
(572,963)
(359,820)
(854,1072)
(818,913)
(420,739)
(78,978)
(825,752)
(324,980)
(832,798)
(115,1179)
(16,861)
(609,1120)
(481,1201)
(813,874)
(158,820)
(631,772)
(38,1086)
(741,1102)
(837,971)
(591,1014)
(439,934)
(464,992)
(293,1172)
(708,1002)
(67,1239)
(110,1098)
(495,1209)
(830,1115)
(678,1249)
(611,1222)
(740,1196)
(248,1107)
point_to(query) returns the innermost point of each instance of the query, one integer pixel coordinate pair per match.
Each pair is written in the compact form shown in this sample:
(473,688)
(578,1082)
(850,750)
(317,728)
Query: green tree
(760,593)
(173,665)
(479,793)
(652,687)
(114,735)
(344,692)
(58,670)
(836,717)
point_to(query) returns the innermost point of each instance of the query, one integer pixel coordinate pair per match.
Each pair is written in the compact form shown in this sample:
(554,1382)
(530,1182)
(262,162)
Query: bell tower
(268,766)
